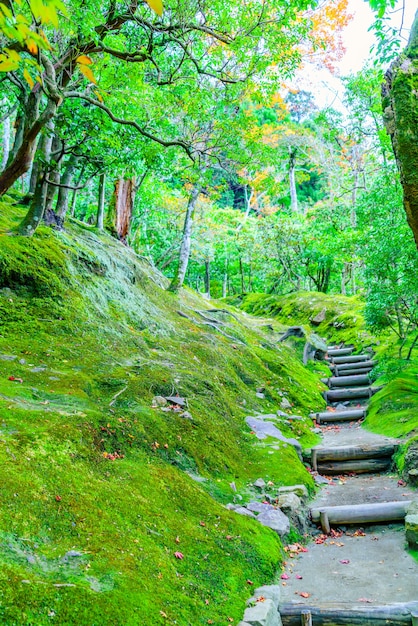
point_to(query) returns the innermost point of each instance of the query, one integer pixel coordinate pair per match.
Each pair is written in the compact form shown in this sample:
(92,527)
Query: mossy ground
(93,336)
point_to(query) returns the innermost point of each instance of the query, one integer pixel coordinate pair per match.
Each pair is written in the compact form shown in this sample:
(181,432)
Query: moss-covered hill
(99,489)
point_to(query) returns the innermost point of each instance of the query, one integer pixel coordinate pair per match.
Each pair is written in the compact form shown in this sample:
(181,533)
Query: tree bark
(400,108)
(64,191)
(207,277)
(101,203)
(5,142)
(119,216)
(186,242)
(292,182)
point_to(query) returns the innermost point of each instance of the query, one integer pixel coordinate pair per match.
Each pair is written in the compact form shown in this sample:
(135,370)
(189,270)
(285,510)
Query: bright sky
(357,41)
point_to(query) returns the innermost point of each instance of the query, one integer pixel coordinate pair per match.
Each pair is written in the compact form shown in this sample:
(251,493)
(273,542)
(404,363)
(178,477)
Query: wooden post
(323,518)
(306,618)
(314,459)
(414,617)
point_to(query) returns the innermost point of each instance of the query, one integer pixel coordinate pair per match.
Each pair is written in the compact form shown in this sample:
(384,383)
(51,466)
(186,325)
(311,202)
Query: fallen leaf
(365,600)
(345,561)
(179,555)
(58,498)
(304,594)
(163,614)
(249,582)
(177,539)
(260,599)
(284,576)
(299,577)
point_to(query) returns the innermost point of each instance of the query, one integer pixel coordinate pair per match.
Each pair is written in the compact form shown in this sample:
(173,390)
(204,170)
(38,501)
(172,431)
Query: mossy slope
(87,337)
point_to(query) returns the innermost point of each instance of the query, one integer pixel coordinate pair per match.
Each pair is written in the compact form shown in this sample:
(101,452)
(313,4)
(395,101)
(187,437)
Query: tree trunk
(207,277)
(53,174)
(186,242)
(5,142)
(292,182)
(64,191)
(400,106)
(36,211)
(119,216)
(101,203)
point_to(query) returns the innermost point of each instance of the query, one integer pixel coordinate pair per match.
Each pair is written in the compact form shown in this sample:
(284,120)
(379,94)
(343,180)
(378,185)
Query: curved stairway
(350,575)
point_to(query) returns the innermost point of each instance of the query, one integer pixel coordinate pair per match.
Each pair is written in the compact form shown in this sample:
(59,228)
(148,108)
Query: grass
(88,336)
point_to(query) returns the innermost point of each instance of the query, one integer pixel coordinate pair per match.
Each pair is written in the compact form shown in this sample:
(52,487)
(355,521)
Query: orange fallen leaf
(304,594)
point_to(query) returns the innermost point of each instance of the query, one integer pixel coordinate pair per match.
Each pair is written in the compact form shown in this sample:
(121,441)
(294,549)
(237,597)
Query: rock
(276,520)
(265,429)
(259,483)
(319,317)
(272,592)
(316,431)
(289,501)
(233,486)
(413,476)
(262,614)
(39,368)
(411,525)
(260,395)
(176,400)
(282,414)
(285,404)
(299,490)
(230,506)
(260,389)
(321,480)
(243,511)
(159,401)
(186,415)
(7,357)
(22,361)
(72,554)
(259,507)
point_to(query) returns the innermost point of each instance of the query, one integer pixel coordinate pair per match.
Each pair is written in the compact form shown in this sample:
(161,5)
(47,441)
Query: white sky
(357,41)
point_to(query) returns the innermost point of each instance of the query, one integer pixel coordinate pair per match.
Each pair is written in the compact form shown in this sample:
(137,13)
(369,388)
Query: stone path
(352,569)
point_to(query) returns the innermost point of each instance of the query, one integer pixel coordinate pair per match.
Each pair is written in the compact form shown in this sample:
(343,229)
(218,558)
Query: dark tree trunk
(5,142)
(186,242)
(400,106)
(120,210)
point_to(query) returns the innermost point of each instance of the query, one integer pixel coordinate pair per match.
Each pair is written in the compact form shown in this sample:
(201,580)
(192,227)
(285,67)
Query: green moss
(93,337)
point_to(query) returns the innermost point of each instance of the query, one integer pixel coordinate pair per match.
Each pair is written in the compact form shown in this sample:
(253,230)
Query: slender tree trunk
(292,181)
(101,203)
(53,174)
(353,212)
(5,142)
(207,277)
(186,242)
(64,191)
(247,198)
(119,216)
(36,211)
(241,271)
(400,106)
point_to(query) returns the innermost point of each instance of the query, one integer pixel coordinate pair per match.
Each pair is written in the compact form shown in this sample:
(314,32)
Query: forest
(165,186)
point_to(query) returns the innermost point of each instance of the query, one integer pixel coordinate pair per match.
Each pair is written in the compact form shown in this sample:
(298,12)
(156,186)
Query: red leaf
(284,577)
(304,594)
(58,498)
(179,555)
(299,577)
(19,380)
(345,561)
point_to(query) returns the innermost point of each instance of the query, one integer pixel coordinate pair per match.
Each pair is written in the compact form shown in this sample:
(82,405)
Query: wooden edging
(396,614)
(363,513)
(338,416)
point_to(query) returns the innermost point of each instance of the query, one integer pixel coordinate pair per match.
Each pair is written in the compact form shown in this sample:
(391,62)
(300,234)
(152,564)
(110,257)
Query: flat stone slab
(276,520)
(264,428)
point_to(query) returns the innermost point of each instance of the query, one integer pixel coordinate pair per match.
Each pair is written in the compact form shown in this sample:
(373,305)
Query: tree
(401,119)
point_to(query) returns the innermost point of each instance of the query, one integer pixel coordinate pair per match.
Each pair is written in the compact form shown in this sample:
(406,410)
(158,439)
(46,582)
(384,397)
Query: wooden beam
(363,513)
(329,614)
(363,451)
(324,521)
(361,466)
(340,351)
(352,372)
(338,416)
(353,393)
(336,360)
(305,618)
(346,381)
(353,365)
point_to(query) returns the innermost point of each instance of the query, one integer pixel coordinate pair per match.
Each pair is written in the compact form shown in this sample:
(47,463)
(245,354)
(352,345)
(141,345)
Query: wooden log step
(338,416)
(346,453)
(353,365)
(363,513)
(351,393)
(346,614)
(340,351)
(353,372)
(337,360)
(361,466)
(346,381)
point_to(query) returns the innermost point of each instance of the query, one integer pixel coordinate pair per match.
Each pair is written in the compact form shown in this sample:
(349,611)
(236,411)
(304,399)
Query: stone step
(347,381)
(339,416)
(360,466)
(343,614)
(353,365)
(353,372)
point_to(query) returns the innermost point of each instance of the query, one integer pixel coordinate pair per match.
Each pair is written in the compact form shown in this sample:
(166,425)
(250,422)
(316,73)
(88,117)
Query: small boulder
(176,400)
(319,317)
(186,415)
(289,501)
(299,490)
(271,592)
(276,520)
(259,507)
(321,480)
(259,483)
(243,511)
(262,614)
(260,389)
(260,395)
(158,401)
(411,525)
(285,404)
